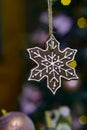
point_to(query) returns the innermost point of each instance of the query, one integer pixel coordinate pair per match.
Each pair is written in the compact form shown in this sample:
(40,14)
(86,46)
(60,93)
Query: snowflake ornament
(52,64)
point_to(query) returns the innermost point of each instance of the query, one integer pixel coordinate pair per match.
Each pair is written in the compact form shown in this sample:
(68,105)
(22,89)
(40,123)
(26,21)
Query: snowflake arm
(68,54)
(67,71)
(36,54)
(41,69)
(53,83)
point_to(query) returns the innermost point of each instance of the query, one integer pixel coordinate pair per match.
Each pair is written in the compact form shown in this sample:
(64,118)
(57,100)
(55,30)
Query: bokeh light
(73,64)
(39,36)
(82,22)
(64,111)
(72,85)
(65,2)
(63,126)
(83,119)
(59,118)
(44,18)
(62,23)
(30,99)
(4,112)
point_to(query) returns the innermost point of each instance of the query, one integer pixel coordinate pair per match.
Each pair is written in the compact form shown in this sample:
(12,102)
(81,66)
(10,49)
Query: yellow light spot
(73,64)
(83,119)
(82,22)
(4,112)
(65,2)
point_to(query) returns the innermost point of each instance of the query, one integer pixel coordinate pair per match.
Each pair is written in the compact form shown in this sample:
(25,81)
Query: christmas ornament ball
(16,121)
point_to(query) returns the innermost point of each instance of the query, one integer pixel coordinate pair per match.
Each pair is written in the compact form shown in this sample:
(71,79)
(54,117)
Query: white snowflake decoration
(52,64)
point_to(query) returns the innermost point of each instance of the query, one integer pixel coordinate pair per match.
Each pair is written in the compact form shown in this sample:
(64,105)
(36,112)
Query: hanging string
(50,17)
(52,46)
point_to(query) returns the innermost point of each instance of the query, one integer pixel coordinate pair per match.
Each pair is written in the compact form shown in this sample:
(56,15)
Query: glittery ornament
(52,64)
(16,121)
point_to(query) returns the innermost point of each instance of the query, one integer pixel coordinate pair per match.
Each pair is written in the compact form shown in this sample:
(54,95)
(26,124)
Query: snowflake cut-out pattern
(52,64)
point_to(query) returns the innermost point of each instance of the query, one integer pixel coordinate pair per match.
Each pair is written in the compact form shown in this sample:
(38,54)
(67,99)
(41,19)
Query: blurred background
(24,24)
